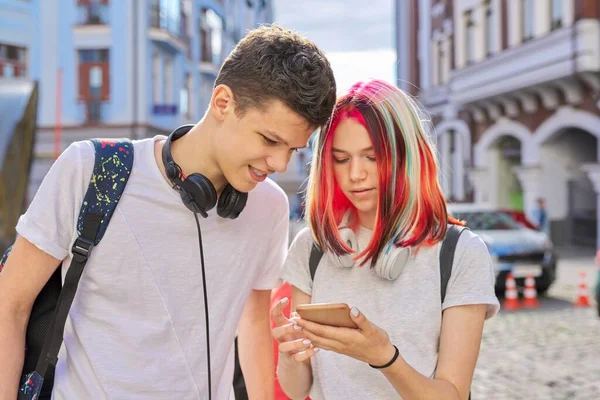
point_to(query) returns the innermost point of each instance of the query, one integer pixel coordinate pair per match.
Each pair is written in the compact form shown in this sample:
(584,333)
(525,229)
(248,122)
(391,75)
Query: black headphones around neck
(197,191)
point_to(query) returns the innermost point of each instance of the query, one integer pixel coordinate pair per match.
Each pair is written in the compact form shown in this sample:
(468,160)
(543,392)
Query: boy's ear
(221,102)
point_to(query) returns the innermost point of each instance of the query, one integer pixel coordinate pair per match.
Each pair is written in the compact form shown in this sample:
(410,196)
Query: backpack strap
(315,257)
(112,166)
(447,256)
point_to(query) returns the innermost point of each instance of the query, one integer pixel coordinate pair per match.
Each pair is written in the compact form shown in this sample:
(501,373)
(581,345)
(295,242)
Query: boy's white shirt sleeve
(276,250)
(296,270)
(51,219)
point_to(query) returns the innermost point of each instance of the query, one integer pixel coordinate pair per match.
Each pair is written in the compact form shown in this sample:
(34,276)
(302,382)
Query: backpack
(113,162)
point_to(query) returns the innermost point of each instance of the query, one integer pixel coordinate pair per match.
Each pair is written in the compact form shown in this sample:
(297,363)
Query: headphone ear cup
(171,171)
(345,260)
(231,202)
(391,264)
(201,191)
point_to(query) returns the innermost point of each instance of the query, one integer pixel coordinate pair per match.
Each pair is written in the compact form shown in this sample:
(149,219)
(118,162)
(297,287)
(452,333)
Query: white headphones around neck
(389,265)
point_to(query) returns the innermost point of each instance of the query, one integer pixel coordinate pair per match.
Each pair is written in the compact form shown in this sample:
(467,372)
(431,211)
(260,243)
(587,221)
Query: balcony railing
(164,109)
(92,14)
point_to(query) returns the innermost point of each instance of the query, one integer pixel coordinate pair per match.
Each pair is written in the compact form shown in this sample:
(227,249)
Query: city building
(18,39)
(136,68)
(512,89)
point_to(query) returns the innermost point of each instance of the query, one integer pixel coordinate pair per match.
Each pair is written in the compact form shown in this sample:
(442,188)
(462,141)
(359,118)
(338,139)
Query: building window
(184,96)
(168,80)
(211,32)
(490,28)
(94,74)
(470,36)
(92,12)
(556,14)
(93,82)
(156,81)
(167,15)
(12,61)
(527,19)
(440,62)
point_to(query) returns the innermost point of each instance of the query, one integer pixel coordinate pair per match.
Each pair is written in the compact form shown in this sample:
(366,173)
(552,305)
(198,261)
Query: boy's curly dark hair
(275,63)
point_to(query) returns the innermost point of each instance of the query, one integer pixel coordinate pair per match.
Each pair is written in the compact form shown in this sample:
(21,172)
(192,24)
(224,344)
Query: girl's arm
(460,339)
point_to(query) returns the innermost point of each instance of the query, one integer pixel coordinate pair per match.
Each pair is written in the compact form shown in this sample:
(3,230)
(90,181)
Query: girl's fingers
(280,332)
(294,346)
(306,354)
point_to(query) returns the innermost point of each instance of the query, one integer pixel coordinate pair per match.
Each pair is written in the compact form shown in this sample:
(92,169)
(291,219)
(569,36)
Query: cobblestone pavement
(547,353)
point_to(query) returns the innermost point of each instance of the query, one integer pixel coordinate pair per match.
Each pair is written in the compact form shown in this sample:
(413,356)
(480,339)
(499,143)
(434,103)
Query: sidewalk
(572,251)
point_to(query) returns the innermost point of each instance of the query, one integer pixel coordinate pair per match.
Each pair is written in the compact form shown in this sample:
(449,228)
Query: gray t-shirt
(136,329)
(409,309)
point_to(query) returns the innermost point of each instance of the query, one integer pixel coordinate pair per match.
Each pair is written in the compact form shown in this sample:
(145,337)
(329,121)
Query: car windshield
(487,220)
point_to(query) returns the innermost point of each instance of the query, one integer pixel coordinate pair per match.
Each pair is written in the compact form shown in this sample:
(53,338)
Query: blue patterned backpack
(112,166)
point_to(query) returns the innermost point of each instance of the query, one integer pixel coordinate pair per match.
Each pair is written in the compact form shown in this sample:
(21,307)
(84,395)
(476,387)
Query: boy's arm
(255,343)
(255,346)
(26,271)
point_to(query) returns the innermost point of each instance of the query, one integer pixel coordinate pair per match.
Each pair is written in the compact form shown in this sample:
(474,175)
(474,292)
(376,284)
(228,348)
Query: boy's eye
(269,141)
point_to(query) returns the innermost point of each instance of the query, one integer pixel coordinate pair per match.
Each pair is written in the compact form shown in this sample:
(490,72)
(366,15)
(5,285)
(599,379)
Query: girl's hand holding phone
(289,336)
(368,343)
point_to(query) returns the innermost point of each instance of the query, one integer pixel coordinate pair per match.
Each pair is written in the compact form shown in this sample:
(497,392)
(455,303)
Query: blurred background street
(544,353)
(511,90)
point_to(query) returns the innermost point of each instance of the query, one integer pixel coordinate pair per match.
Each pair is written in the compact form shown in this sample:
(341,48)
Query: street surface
(548,353)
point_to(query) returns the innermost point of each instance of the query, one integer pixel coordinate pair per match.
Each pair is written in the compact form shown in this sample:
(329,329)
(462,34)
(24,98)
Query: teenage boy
(136,328)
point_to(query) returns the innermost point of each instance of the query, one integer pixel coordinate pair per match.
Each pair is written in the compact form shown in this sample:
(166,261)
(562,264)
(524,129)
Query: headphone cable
(205,306)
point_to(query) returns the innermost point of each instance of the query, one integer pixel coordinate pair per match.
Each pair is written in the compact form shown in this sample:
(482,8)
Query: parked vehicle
(520,217)
(514,246)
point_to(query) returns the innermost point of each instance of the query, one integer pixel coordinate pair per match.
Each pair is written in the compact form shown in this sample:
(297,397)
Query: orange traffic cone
(583,297)
(530,294)
(511,296)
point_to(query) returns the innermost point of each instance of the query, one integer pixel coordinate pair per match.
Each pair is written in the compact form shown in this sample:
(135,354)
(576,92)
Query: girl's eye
(340,160)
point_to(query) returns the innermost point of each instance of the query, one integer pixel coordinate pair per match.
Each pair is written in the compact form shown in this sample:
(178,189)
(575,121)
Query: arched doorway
(568,192)
(507,154)
(454,150)
(567,142)
(501,150)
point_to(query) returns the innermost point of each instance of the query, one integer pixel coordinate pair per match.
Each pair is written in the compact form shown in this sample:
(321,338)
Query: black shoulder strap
(447,256)
(315,257)
(112,166)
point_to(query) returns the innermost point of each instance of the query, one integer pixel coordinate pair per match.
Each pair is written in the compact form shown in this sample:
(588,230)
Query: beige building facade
(512,88)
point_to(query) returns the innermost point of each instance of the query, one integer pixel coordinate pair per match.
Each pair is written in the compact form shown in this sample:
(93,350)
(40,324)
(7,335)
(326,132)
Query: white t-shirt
(409,309)
(136,328)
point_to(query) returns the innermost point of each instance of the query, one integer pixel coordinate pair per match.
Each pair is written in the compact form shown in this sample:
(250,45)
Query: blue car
(513,247)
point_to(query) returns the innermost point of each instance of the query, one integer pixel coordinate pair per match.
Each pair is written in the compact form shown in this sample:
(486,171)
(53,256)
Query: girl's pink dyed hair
(411,209)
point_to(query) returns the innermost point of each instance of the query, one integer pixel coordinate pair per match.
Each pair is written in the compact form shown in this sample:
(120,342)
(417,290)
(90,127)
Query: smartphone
(332,314)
